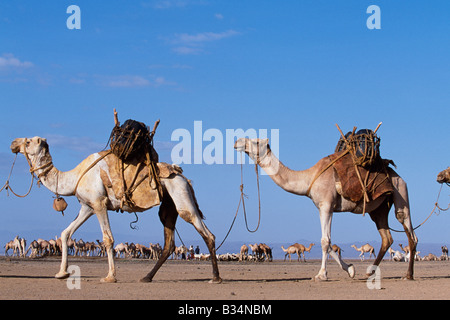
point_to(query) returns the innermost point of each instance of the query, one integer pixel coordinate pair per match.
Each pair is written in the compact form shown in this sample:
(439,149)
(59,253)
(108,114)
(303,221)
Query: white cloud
(186,43)
(218,16)
(166,4)
(127,81)
(132,81)
(8,60)
(169,4)
(191,39)
(187,50)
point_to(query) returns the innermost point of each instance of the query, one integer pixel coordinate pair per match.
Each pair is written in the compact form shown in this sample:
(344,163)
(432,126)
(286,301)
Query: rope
(7,186)
(436,206)
(241,201)
(259,201)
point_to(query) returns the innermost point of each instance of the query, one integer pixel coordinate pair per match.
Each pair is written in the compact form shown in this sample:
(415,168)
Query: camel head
(444,176)
(256,149)
(35,151)
(31,147)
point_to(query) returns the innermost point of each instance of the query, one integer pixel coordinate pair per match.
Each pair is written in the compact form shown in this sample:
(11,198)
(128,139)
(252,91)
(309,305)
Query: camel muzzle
(15,145)
(239,145)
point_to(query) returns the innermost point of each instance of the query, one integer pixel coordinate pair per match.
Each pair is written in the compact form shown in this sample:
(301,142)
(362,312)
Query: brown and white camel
(290,251)
(324,195)
(405,249)
(243,253)
(302,249)
(444,176)
(364,249)
(256,251)
(337,249)
(177,199)
(266,251)
(16,246)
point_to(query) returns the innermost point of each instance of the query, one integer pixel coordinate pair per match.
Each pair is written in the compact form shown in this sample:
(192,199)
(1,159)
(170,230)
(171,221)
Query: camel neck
(292,181)
(56,181)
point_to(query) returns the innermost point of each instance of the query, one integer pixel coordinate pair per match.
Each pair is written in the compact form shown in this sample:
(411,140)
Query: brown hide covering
(144,192)
(377,181)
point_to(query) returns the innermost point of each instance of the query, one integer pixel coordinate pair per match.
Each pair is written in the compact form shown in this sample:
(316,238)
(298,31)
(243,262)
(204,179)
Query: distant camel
(289,251)
(302,249)
(256,250)
(363,249)
(243,253)
(405,249)
(336,249)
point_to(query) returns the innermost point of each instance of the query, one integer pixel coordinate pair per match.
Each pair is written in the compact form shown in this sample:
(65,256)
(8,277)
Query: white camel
(326,198)
(178,198)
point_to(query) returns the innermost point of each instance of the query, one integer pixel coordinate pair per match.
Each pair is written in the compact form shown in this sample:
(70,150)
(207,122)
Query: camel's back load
(365,146)
(132,140)
(135,161)
(359,167)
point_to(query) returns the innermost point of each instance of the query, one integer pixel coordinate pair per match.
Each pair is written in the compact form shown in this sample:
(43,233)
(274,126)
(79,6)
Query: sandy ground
(188,280)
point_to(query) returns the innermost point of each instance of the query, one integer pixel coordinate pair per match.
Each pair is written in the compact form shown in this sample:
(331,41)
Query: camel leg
(108,241)
(83,215)
(380,217)
(402,213)
(325,222)
(168,216)
(184,200)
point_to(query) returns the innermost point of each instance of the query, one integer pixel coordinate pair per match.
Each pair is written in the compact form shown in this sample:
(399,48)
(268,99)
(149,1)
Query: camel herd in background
(253,252)
(40,248)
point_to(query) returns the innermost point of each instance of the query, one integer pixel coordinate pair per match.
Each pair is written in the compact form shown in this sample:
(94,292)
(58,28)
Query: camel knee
(65,235)
(186,215)
(389,241)
(326,244)
(401,215)
(108,240)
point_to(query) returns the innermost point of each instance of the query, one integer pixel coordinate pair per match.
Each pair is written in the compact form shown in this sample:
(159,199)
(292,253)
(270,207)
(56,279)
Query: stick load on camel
(132,140)
(359,167)
(136,161)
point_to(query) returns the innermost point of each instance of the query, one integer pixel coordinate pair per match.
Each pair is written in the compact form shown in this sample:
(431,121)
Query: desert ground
(188,280)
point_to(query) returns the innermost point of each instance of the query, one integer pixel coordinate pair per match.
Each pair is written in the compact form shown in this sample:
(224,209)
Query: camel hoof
(320,277)
(108,280)
(351,271)
(145,280)
(62,275)
(216,280)
(407,277)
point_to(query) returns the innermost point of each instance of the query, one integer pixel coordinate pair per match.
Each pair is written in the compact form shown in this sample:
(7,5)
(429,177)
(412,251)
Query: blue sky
(296,66)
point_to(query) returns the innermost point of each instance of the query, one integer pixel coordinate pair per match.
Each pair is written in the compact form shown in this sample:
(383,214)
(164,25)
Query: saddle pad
(145,193)
(375,179)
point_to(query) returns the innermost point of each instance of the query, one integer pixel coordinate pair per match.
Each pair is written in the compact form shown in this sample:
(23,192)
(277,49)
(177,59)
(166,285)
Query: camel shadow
(243,280)
(12,276)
